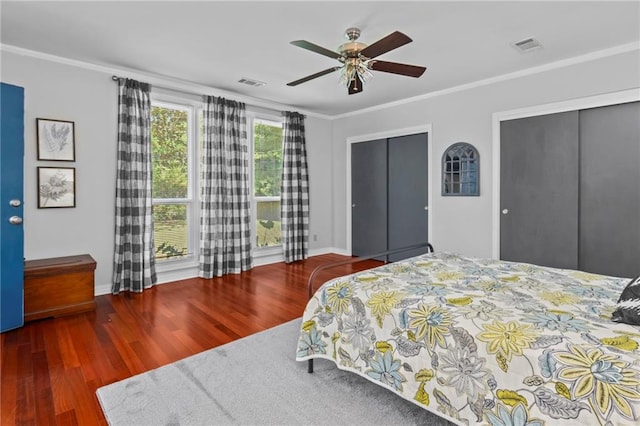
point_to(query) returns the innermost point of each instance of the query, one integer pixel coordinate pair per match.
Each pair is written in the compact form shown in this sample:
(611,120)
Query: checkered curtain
(225,230)
(133,260)
(294,204)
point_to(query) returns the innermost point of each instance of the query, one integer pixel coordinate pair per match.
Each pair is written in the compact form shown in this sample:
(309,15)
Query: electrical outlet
(315,237)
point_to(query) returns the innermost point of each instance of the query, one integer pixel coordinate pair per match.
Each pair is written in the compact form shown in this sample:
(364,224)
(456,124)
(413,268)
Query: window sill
(266,251)
(176,269)
(181,269)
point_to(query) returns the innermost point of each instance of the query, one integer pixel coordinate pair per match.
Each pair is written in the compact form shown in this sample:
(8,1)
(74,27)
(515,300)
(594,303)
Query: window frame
(252,118)
(194,113)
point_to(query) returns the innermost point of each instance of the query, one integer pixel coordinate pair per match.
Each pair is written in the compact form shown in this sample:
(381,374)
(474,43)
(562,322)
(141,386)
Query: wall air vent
(527,45)
(250,82)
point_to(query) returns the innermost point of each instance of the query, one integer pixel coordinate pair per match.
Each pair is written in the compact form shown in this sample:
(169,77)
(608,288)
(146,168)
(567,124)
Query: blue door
(11,231)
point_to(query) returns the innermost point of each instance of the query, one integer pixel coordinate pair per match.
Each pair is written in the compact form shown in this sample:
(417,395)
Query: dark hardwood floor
(51,368)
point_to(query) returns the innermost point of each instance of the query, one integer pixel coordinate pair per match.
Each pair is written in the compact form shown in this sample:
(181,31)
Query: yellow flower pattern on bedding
(558,298)
(431,323)
(604,380)
(381,304)
(507,339)
(481,341)
(339,297)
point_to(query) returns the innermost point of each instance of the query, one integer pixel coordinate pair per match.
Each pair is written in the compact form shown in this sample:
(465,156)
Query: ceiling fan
(358,61)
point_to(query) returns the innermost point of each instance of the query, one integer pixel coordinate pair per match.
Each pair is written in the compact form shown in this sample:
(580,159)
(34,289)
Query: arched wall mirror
(461,170)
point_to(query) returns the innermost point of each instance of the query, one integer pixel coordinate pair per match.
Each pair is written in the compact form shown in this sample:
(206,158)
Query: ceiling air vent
(250,82)
(527,45)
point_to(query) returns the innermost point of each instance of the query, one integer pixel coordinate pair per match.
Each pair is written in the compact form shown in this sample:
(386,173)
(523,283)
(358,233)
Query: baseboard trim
(102,289)
(192,272)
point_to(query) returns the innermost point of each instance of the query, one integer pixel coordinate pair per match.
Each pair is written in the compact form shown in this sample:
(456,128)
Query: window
(460,174)
(176,134)
(172,143)
(267,174)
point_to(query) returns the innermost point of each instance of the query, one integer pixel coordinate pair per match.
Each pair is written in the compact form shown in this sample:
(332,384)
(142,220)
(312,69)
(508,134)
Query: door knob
(15,220)
(426,207)
(15,203)
(353,205)
(505,211)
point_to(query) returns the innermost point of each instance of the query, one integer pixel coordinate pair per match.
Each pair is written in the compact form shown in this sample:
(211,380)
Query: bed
(481,341)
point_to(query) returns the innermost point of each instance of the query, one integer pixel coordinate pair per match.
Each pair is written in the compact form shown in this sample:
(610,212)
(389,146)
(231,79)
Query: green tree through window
(268,159)
(169,131)
(267,172)
(170,186)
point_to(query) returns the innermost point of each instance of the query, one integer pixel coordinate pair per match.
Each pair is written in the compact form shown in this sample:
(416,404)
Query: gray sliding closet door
(408,190)
(539,179)
(368,197)
(610,190)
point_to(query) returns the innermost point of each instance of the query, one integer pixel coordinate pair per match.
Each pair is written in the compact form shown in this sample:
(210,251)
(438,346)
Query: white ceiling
(215,43)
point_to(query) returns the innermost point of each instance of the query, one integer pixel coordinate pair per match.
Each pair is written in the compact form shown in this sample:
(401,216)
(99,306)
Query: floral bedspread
(481,341)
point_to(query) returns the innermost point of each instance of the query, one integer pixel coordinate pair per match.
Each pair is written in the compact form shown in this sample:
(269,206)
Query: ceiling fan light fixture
(363,72)
(352,68)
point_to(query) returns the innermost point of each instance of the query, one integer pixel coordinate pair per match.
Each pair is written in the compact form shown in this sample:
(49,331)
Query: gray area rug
(255,381)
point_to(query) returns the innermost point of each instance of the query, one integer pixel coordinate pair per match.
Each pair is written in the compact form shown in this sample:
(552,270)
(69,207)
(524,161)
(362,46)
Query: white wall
(319,158)
(464,224)
(89,98)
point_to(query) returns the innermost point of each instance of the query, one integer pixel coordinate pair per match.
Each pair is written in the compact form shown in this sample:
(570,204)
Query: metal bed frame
(314,273)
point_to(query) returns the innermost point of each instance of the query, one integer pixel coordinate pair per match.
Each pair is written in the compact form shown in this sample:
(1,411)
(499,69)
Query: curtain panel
(225,207)
(134,253)
(294,206)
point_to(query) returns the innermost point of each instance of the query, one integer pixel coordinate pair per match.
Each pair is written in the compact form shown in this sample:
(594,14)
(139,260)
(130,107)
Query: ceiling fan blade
(396,68)
(390,42)
(312,76)
(315,48)
(355,86)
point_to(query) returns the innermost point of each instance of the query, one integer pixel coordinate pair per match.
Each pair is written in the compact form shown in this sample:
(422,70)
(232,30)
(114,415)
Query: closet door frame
(426,128)
(624,96)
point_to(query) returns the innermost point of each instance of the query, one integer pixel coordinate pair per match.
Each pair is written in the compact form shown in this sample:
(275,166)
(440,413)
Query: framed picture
(56,187)
(56,140)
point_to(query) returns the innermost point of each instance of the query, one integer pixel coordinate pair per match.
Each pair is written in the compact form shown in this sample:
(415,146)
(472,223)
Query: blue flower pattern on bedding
(482,341)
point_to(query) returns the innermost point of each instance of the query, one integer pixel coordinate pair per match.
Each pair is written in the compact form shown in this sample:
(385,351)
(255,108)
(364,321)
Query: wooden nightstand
(58,286)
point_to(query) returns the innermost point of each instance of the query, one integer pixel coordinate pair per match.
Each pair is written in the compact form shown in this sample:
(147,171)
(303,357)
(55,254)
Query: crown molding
(617,50)
(159,80)
(189,87)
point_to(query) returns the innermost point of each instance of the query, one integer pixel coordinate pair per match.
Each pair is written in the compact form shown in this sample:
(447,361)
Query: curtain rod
(116,78)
